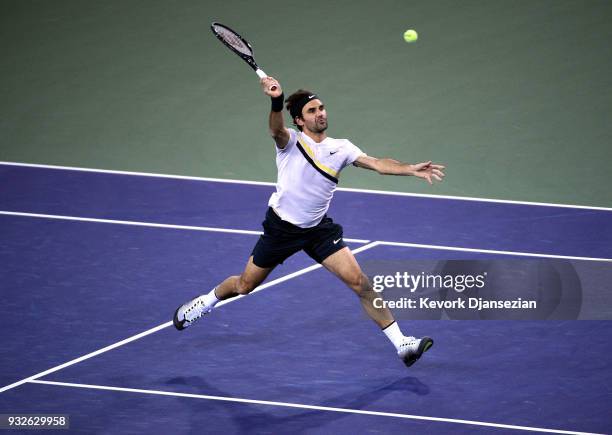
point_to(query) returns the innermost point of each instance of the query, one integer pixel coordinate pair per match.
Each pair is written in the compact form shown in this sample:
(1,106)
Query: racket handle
(262,75)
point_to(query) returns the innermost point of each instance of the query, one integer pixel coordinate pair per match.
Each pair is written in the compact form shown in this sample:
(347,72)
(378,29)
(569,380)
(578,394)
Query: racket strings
(233,40)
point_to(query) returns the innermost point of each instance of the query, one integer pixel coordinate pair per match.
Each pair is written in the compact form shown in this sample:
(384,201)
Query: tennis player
(309,163)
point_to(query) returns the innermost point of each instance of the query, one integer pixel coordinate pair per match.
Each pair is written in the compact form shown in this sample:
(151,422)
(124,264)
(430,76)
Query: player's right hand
(267,83)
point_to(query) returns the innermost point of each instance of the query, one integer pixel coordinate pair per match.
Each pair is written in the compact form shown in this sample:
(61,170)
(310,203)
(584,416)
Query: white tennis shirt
(307,177)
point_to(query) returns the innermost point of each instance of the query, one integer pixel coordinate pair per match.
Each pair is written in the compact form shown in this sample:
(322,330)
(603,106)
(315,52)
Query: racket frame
(249,59)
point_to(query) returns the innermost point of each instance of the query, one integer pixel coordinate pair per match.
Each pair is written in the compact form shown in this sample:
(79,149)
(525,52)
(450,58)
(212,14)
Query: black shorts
(282,239)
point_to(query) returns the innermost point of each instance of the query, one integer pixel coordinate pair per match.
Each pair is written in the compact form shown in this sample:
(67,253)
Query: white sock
(210,299)
(394,334)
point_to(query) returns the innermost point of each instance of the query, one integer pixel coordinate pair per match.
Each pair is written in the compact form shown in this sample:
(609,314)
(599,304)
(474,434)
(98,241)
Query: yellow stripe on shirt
(320,165)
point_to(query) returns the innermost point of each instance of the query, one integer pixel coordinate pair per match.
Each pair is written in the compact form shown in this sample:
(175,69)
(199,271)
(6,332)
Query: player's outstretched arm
(425,170)
(276,123)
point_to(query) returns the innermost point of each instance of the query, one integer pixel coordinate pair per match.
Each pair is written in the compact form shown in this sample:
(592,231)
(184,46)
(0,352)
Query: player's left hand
(428,170)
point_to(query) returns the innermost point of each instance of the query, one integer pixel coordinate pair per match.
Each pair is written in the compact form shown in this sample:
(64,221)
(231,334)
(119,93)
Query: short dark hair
(295,97)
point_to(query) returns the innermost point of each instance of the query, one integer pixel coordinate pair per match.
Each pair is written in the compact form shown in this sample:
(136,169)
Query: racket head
(232,40)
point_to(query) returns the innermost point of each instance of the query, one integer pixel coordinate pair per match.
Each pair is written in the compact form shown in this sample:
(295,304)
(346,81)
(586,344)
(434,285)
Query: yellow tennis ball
(410,35)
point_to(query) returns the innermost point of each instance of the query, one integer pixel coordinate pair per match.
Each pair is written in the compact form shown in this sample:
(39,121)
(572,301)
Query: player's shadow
(283,420)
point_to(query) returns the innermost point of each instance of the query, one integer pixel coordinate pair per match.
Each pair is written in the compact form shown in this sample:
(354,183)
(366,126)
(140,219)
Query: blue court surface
(93,265)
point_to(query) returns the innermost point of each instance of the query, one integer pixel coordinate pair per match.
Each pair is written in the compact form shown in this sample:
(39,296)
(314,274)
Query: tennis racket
(238,45)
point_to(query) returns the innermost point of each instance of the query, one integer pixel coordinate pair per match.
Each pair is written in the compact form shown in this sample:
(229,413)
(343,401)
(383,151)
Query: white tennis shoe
(188,313)
(412,348)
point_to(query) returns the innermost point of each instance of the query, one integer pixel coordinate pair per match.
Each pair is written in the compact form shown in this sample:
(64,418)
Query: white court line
(138,174)
(164,325)
(311,407)
(341,189)
(490,251)
(85,357)
(144,224)
(227,230)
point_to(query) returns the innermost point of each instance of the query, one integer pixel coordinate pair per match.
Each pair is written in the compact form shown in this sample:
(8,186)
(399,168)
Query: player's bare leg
(243,284)
(344,265)
(233,286)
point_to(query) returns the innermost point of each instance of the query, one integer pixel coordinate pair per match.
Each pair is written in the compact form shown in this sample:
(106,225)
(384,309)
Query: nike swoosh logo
(336,241)
(332,152)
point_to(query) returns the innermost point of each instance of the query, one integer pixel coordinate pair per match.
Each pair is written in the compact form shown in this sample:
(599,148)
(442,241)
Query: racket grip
(262,75)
